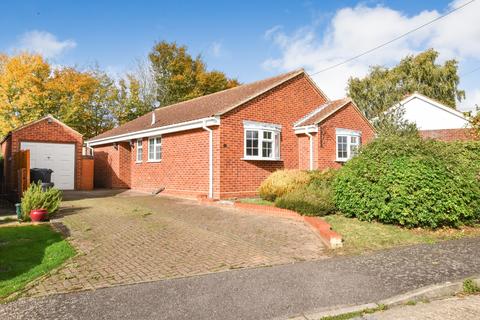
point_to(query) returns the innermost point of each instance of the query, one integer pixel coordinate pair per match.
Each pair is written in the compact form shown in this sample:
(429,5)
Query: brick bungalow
(226,143)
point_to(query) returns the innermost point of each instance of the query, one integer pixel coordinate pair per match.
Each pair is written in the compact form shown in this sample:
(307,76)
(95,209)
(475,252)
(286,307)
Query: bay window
(262,141)
(155,149)
(348,142)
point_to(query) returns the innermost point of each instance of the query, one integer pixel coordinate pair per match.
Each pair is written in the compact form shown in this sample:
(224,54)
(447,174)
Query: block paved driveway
(130,238)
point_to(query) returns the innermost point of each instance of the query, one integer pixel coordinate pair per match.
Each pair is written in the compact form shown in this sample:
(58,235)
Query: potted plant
(38,204)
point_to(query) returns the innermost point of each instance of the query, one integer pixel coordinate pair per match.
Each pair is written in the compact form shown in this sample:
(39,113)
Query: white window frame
(155,144)
(260,128)
(139,150)
(348,134)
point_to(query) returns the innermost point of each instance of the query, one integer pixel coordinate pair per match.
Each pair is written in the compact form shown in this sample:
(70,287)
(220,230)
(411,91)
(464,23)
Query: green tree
(476,122)
(180,77)
(131,103)
(384,87)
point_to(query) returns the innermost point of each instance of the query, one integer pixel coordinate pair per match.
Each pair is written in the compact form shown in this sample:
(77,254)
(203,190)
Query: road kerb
(432,292)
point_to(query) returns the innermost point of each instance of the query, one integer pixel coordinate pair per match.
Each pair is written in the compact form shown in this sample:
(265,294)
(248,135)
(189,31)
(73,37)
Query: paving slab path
(456,308)
(266,293)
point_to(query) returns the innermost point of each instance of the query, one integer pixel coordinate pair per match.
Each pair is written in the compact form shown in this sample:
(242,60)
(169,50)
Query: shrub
(36,198)
(281,182)
(313,199)
(411,182)
(470,287)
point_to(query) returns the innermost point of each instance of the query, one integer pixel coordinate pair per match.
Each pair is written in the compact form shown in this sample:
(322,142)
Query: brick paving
(449,309)
(132,239)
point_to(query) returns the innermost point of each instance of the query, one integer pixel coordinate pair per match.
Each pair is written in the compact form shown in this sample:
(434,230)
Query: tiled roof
(322,112)
(202,107)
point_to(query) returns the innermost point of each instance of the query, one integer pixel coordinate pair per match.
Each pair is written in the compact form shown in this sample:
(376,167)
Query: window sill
(341,160)
(138,162)
(153,161)
(259,159)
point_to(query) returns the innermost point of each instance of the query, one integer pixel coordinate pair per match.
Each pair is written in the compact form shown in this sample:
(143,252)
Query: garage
(59,157)
(46,143)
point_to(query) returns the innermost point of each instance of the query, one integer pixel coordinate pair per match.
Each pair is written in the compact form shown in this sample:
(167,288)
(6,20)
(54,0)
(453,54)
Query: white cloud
(472,100)
(216,49)
(354,30)
(43,43)
(271,31)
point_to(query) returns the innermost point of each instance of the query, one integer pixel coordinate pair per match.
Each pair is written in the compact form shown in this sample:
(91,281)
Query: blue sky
(248,40)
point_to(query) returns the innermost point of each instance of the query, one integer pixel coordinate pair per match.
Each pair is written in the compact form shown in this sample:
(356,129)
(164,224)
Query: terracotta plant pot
(38,215)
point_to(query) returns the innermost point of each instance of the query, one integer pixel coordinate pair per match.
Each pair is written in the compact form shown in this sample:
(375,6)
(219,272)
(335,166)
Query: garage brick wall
(43,131)
(283,105)
(346,118)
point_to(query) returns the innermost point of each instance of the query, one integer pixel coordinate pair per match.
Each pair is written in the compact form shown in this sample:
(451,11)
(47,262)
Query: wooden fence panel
(21,171)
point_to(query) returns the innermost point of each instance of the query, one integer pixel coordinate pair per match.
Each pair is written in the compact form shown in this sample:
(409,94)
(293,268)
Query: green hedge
(412,182)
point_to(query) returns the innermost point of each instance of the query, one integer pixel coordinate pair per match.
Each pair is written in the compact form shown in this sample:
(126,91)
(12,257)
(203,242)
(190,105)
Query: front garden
(28,251)
(396,191)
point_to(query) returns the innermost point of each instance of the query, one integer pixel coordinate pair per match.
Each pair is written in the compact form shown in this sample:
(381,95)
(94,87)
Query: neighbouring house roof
(214,104)
(433,102)
(49,116)
(429,114)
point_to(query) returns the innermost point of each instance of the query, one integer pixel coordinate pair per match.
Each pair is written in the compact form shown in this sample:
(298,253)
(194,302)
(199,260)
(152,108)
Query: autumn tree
(23,96)
(180,77)
(30,89)
(385,87)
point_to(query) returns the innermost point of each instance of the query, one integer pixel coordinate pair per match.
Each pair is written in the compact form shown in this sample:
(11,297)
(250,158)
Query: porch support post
(310,138)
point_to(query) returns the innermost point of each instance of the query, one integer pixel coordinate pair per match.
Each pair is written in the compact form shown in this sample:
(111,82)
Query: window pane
(251,143)
(267,135)
(267,149)
(277,145)
(342,147)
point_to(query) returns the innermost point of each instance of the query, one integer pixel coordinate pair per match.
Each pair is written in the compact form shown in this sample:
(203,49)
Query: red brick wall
(304,151)
(182,170)
(112,166)
(43,131)
(284,105)
(448,134)
(345,118)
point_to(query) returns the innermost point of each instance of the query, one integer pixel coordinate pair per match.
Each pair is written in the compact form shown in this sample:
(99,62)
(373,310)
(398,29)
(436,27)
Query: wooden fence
(21,171)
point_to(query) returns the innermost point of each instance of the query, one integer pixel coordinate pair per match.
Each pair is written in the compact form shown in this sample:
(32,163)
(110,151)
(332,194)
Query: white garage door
(60,157)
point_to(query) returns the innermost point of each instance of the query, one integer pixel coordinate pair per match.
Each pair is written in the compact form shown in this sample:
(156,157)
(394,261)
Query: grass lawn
(28,252)
(360,236)
(258,201)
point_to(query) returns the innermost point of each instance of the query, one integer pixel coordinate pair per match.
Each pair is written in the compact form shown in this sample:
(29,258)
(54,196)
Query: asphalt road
(265,293)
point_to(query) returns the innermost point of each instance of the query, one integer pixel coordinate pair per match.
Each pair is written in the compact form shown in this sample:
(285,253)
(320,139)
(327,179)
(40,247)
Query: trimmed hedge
(282,182)
(412,182)
(313,198)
